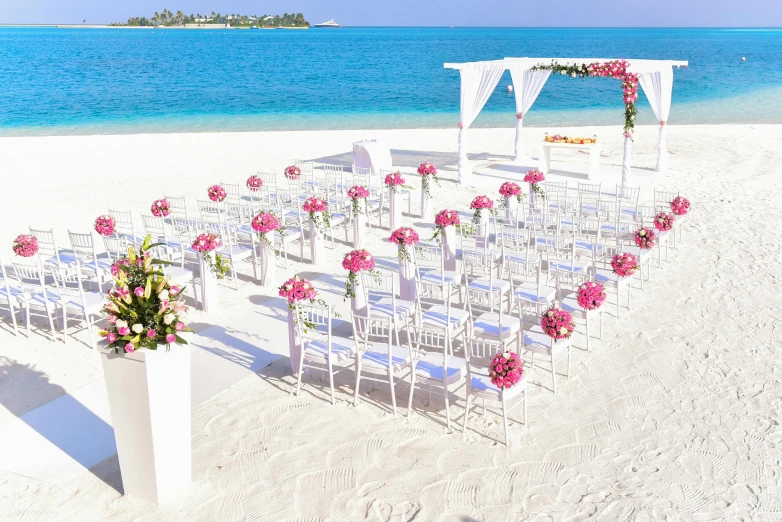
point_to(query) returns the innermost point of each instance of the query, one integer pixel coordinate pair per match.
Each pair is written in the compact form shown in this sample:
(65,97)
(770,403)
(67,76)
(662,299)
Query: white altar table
(372,154)
(594,155)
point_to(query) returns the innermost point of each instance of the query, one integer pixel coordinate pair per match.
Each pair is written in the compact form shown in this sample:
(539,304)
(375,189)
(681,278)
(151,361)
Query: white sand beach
(673,415)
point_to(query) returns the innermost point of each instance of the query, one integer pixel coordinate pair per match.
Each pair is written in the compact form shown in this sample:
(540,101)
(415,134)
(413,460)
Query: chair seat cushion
(536,340)
(574,266)
(384,308)
(438,316)
(341,349)
(376,358)
(488,325)
(569,303)
(607,276)
(481,383)
(521,257)
(490,285)
(178,275)
(438,276)
(431,367)
(637,251)
(531,293)
(235,251)
(92,300)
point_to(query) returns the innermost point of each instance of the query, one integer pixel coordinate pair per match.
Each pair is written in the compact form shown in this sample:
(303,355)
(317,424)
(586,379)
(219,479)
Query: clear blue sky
(514,13)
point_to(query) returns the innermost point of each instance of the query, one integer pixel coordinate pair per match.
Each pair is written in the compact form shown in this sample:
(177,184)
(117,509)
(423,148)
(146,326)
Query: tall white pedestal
(294,342)
(359,230)
(208,283)
(426,207)
(449,248)
(396,210)
(358,304)
(268,261)
(407,289)
(482,230)
(511,209)
(317,242)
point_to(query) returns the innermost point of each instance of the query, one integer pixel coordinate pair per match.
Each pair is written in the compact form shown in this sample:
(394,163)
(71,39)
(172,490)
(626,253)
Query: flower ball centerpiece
(478,205)
(354,262)
(105,225)
(506,369)
(535,177)
(680,206)
(315,204)
(404,237)
(292,172)
(356,193)
(217,193)
(447,218)
(557,323)
(645,238)
(296,290)
(427,170)
(264,223)
(160,208)
(591,295)
(25,245)
(624,264)
(394,180)
(664,221)
(254,183)
(204,244)
(510,189)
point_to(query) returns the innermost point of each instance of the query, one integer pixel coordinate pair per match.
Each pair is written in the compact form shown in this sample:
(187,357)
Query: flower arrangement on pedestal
(534,177)
(624,264)
(395,181)
(443,219)
(556,138)
(254,183)
(645,238)
(296,290)
(680,206)
(293,172)
(216,193)
(404,237)
(264,223)
(426,171)
(356,194)
(591,295)
(160,208)
(478,205)
(664,221)
(354,262)
(506,369)
(318,211)
(105,225)
(144,309)
(25,245)
(510,189)
(204,244)
(557,323)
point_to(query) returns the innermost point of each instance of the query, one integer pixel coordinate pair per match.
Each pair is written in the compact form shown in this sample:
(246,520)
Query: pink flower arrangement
(680,206)
(591,295)
(105,225)
(506,370)
(25,245)
(624,264)
(427,169)
(404,236)
(293,172)
(534,177)
(254,183)
(481,202)
(645,238)
(295,290)
(394,180)
(160,208)
(207,243)
(447,218)
(664,221)
(314,204)
(265,222)
(355,194)
(509,190)
(216,193)
(557,323)
(354,262)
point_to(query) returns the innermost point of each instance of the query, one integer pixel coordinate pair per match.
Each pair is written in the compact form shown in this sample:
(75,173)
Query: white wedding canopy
(478,80)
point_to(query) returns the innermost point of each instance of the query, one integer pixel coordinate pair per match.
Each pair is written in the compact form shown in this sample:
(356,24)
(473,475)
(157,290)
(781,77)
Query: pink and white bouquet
(216,193)
(557,323)
(404,237)
(296,290)
(645,238)
(25,245)
(293,172)
(264,223)
(680,206)
(207,243)
(591,295)
(160,208)
(254,183)
(394,181)
(354,262)
(356,194)
(314,204)
(426,171)
(506,369)
(479,204)
(204,244)
(105,225)
(664,221)
(443,219)
(534,177)
(318,210)
(144,310)
(510,189)
(624,264)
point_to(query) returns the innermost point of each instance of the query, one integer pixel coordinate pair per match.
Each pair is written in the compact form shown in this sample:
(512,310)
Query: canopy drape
(478,81)
(527,85)
(657,86)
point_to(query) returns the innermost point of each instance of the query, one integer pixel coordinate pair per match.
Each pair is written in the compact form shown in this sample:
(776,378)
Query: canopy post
(626,170)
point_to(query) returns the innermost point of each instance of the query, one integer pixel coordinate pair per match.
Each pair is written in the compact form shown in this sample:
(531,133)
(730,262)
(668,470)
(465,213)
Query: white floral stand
(268,261)
(407,289)
(317,240)
(359,229)
(482,230)
(395,210)
(511,205)
(426,207)
(209,295)
(294,342)
(449,248)
(358,304)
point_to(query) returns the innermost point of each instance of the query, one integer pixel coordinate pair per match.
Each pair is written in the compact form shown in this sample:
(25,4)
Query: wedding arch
(479,79)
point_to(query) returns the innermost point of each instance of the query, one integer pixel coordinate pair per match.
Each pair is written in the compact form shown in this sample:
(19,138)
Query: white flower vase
(407,290)
(317,240)
(426,208)
(359,229)
(150,405)
(294,342)
(511,206)
(532,207)
(208,283)
(449,248)
(268,261)
(396,210)
(358,303)
(482,230)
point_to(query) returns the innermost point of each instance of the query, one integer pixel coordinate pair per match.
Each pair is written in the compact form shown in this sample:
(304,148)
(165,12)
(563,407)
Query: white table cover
(372,154)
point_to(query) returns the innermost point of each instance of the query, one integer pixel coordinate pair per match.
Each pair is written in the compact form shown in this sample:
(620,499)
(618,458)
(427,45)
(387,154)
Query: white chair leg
(358,381)
(553,374)
(447,394)
(586,320)
(412,388)
(51,324)
(331,381)
(504,416)
(466,412)
(27,318)
(300,372)
(393,392)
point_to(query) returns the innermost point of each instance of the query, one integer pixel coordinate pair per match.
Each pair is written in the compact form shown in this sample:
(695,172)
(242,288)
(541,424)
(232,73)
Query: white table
(545,155)
(372,154)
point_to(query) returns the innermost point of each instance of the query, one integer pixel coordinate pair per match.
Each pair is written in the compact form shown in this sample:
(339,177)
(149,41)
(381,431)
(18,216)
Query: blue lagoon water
(92,81)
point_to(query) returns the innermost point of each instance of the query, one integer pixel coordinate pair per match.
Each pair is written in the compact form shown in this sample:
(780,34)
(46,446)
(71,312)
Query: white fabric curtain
(478,81)
(527,85)
(658,86)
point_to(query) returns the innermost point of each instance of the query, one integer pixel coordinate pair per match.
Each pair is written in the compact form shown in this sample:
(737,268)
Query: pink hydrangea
(265,222)
(506,369)
(645,238)
(624,264)
(314,204)
(557,323)
(394,179)
(481,202)
(160,208)
(207,243)
(664,221)
(404,236)
(591,295)
(254,183)
(216,193)
(427,169)
(357,261)
(293,172)
(534,177)
(25,245)
(447,218)
(105,225)
(680,206)
(358,192)
(509,189)
(295,290)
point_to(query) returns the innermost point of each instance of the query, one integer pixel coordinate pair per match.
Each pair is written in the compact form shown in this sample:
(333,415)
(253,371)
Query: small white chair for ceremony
(12,296)
(534,341)
(561,254)
(517,242)
(479,354)
(589,195)
(662,203)
(293,230)
(35,293)
(628,199)
(124,225)
(434,365)
(321,352)
(178,207)
(430,266)
(338,217)
(434,308)
(528,286)
(84,249)
(644,255)
(380,291)
(232,250)
(567,284)
(557,199)
(266,196)
(362,176)
(604,274)
(334,176)
(172,250)
(307,179)
(646,217)
(211,211)
(487,319)
(376,354)
(233,192)
(70,293)
(116,246)
(48,252)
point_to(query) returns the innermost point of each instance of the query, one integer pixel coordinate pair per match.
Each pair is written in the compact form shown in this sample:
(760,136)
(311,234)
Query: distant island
(168,19)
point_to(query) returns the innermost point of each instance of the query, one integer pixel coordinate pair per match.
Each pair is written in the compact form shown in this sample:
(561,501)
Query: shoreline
(106,26)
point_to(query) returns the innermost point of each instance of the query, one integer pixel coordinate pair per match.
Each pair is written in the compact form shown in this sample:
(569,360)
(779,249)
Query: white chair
(12,295)
(48,252)
(380,291)
(589,199)
(662,202)
(70,293)
(534,341)
(307,179)
(628,199)
(434,365)
(479,354)
(233,251)
(116,246)
(487,320)
(172,250)
(178,206)
(34,292)
(430,266)
(293,229)
(124,226)
(478,268)
(604,273)
(438,311)
(84,249)
(567,284)
(531,289)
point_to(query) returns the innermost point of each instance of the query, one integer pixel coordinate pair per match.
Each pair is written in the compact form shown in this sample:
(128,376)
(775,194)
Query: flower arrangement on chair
(624,264)
(254,183)
(394,181)
(318,211)
(443,219)
(216,193)
(144,309)
(426,171)
(645,238)
(105,225)
(557,323)
(591,295)
(355,194)
(506,369)
(404,237)
(534,177)
(354,262)
(680,206)
(664,221)
(296,290)
(292,172)
(479,204)
(25,245)
(510,189)
(206,243)
(160,208)
(264,223)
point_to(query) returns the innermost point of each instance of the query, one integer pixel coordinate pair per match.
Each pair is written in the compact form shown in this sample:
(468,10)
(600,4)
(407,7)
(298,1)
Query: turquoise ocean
(109,81)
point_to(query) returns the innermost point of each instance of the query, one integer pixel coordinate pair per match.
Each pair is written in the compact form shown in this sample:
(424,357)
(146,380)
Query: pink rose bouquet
(404,237)
(557,323)
(354,262)
(426,171)
(480,203)
(624,264)
(25,245)
(296,290)
(254,183)
(356,194)
(293,172)
(591,295)
(645,238)
(160,208)
(217,193)
(314,204)
(664,221)
(506,369)
(207,243)
(443,219)
(105,225)
(394,181)
(510,189)
(318,210)
(264,223)
(680,206)
(534,178)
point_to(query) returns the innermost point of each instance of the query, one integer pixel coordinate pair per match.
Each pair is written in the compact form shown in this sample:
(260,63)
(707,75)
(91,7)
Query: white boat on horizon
(331,23)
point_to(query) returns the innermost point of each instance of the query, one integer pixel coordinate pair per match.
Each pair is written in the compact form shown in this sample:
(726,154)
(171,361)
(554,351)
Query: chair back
(68,277)
(116,246)
(430,339)
(155,226)
(480,352)
(82,244)
(663,198)
(233,191)
(209,210)
(124,223)
(47,246)
(316,315)
(428,255)
(30,278)
(178,206)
